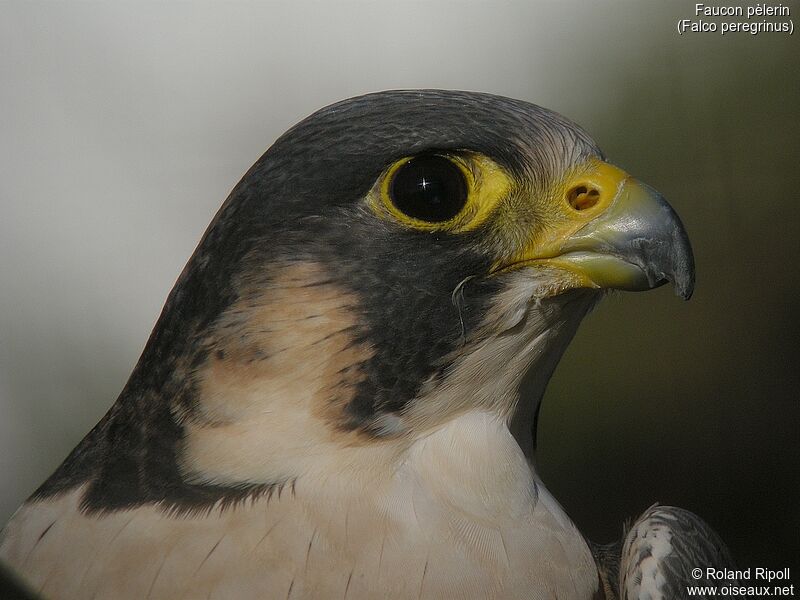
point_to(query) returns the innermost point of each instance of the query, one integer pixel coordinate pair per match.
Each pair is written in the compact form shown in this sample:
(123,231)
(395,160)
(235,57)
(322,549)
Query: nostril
(582,197)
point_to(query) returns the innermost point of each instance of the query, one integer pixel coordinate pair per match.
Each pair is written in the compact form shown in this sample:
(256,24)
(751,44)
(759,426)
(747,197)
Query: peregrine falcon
(329,404)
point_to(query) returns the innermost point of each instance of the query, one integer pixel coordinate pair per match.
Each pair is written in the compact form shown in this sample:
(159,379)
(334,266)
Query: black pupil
(429,188)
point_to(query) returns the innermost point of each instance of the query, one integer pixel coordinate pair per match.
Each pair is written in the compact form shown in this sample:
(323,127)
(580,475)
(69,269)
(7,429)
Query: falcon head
(390,263)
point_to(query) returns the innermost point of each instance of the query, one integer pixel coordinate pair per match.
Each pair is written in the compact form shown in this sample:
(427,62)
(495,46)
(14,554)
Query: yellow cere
(581,196)
(487,184)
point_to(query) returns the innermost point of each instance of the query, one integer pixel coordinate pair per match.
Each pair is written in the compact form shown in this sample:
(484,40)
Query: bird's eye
(429,188)
(436,191)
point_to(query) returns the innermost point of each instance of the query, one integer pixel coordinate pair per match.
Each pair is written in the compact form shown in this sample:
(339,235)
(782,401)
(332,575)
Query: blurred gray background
(123,125)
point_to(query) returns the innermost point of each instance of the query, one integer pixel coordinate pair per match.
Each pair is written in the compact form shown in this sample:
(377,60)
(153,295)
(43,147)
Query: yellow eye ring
(440,192)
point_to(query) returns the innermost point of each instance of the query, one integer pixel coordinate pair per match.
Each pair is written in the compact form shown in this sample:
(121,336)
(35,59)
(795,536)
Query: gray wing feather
(661,550)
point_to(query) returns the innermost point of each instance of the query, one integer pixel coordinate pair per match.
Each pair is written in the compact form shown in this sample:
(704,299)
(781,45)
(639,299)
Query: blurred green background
(697,404)
(125,125)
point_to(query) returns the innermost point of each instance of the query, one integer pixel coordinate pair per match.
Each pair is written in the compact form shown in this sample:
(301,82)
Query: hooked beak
(621,234)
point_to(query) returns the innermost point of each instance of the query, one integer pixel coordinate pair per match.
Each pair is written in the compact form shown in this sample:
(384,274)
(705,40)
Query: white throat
(450,508)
